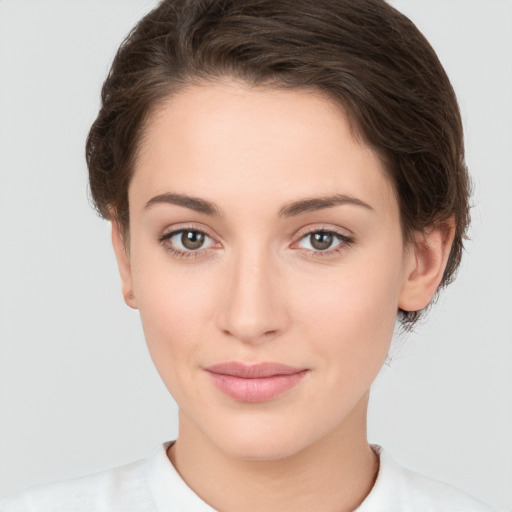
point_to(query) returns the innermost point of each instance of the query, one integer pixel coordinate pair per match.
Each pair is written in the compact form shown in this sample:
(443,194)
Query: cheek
(351,313)
(175,304)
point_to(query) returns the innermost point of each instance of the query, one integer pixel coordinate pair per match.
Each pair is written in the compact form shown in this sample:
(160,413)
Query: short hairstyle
(364,55)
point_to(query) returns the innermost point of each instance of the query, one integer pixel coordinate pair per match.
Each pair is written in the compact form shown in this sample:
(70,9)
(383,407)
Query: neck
(334,474)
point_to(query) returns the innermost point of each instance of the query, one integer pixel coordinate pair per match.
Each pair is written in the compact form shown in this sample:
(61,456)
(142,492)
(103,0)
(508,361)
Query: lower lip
(256,390)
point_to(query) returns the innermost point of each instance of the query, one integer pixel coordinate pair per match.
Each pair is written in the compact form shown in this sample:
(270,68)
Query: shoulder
(118,489)
(398,489)
(144,485)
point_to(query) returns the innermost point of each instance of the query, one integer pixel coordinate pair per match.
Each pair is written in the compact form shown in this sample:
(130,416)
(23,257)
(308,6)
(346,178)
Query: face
(267,262)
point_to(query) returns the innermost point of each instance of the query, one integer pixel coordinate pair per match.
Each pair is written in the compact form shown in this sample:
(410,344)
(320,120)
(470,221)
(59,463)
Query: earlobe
(425,264)
(123,262)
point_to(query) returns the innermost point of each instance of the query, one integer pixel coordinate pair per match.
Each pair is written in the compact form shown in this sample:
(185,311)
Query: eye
(323,241)
(186,241)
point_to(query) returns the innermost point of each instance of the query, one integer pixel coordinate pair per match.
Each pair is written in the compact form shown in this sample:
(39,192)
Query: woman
(284,179)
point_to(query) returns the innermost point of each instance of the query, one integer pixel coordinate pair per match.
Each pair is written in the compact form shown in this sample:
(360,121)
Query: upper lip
(253,371)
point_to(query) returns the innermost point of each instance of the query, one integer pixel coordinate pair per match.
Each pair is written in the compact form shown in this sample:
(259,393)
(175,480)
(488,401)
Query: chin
(261,440)
(263,450)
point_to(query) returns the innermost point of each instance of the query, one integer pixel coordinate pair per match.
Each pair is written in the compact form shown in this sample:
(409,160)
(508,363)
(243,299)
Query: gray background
(78,391)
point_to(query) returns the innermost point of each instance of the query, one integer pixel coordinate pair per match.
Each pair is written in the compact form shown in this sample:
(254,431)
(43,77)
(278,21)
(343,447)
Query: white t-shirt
(152,484)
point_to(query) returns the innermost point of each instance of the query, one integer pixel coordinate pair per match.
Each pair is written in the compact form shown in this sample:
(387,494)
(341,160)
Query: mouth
(254,383)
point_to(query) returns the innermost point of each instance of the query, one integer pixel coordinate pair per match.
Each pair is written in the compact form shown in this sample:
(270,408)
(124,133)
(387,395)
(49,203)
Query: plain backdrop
(78,391)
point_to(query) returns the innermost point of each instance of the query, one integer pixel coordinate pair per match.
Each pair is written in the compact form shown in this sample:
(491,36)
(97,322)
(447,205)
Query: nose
(252,307)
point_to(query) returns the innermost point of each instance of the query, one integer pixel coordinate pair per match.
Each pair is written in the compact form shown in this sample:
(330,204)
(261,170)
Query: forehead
(229,140)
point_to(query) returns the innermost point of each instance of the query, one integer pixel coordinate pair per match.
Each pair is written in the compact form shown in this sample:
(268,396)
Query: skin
(259,291)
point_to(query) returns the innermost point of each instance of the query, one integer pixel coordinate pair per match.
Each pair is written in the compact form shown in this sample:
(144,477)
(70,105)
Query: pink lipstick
(254,383)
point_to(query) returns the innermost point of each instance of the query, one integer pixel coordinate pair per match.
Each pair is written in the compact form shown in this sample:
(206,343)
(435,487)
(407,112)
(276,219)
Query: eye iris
(321,241)
(192,239)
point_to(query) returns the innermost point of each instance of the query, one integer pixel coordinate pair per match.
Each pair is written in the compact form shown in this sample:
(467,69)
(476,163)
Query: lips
(254,383)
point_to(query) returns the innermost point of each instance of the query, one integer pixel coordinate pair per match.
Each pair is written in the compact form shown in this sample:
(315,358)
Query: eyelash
(345,240)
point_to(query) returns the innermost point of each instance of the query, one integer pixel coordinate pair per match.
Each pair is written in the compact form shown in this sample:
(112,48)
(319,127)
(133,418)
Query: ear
(123,262)
(425,264)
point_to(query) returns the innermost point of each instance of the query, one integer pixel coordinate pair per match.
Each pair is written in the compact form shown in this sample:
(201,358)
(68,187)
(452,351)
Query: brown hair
(364,55)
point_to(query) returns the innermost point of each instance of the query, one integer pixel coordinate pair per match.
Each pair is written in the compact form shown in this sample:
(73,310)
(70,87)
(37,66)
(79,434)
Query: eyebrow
(292,209)
(320,203)
(193,203)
